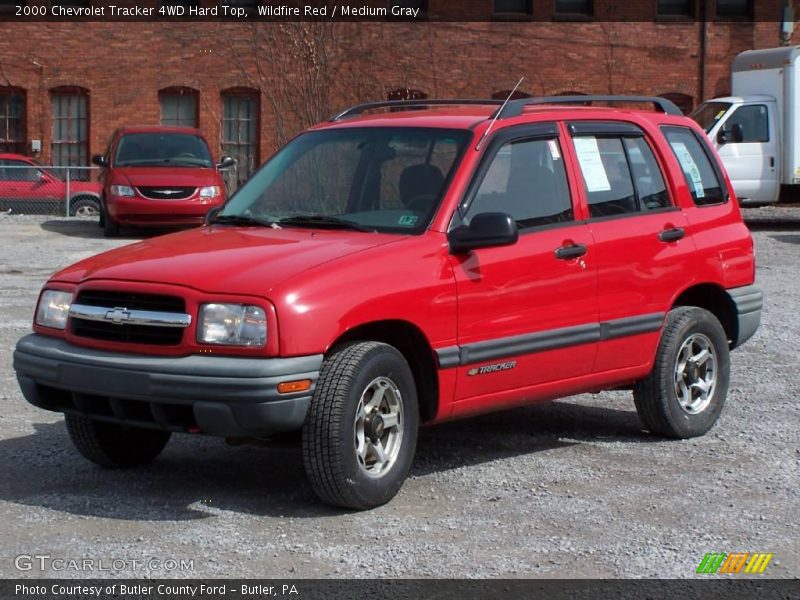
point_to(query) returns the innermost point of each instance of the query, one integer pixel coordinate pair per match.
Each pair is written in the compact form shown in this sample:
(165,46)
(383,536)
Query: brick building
(67,85)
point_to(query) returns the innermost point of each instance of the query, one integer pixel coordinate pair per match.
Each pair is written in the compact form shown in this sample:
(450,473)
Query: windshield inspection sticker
(594,172)
(689,167)
(407,220)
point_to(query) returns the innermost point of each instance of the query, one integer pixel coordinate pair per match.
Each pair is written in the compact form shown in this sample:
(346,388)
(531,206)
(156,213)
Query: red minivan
(158,176)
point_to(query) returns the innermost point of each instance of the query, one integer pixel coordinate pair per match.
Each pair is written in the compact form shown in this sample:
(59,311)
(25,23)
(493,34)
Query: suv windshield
(376,179)
(162,150)
(707,114)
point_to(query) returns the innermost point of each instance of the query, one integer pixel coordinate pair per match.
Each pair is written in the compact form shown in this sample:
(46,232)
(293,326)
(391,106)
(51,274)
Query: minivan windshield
(383,179)
(167,149)
(709,113)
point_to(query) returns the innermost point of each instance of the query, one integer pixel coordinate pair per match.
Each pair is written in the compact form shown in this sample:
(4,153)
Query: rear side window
(526,179)
(620,175)
(701,177)
(649,182)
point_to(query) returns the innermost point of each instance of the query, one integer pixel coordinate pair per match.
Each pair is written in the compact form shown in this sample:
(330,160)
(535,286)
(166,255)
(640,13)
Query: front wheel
(110,227)
(115,446)
(683,395)
(360,433)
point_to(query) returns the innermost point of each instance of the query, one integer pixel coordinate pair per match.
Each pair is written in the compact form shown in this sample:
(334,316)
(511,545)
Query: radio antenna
(497,114)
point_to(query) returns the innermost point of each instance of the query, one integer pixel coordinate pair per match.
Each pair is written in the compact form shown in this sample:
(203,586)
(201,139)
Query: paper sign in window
(689,167)
(594,172)
(554,151)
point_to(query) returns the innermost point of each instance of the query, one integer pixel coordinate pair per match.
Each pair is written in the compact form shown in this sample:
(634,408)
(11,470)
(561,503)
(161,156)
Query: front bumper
(225,396)
(748,301)
(143,211)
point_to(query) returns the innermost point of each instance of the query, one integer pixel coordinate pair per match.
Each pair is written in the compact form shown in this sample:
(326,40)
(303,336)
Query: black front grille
(131,300)
(130,334)
(166,192)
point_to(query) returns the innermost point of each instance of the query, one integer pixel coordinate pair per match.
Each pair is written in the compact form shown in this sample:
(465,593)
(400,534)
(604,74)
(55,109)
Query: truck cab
(755,130)
(745,133)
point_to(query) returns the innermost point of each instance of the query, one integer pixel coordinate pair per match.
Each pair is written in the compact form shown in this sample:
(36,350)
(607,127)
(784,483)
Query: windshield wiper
(242,220)
(324,221)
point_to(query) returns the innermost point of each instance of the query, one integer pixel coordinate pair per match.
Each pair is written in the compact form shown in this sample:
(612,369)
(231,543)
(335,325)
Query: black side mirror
(226,162)
(211,215)
(484,230)
(99,160)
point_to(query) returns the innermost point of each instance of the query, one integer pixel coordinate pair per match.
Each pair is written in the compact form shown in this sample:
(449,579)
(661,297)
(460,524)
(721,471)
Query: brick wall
(123,65)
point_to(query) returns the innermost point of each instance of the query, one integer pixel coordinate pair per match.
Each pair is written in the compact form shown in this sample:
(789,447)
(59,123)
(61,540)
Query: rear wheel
(84,207)
(115,446)
(685,392)
(361,430)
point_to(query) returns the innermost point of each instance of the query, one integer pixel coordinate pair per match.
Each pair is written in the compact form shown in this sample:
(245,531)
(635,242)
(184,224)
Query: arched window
(69,145)
(241,108)
(179,106)
(683,101)
(503,94)
(13,114)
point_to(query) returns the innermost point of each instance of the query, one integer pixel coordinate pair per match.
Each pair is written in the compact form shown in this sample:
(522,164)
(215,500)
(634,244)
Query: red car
(409,267)
(27,187)
(158,176)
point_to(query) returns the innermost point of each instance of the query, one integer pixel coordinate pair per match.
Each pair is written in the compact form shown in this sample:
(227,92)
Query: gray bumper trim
(748,300)
(227,395)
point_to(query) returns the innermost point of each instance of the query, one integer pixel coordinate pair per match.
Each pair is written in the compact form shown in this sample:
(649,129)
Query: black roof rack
(356,110)
(515,107)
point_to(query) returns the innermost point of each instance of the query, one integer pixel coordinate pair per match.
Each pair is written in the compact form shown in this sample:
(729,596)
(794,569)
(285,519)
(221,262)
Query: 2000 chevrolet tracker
(392,268)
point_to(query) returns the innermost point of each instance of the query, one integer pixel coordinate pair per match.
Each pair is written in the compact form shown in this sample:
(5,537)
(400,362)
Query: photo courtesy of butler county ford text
(418,298)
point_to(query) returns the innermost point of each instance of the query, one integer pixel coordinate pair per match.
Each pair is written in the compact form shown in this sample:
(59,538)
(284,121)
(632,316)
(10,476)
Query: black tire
(115,446)
(85,207)
(656,396)
(330,438)
(110,227)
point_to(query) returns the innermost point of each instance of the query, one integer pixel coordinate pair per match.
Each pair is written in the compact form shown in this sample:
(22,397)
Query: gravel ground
(572,488)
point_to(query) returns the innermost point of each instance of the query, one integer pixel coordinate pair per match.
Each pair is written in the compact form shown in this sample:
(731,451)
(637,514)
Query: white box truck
(757,129)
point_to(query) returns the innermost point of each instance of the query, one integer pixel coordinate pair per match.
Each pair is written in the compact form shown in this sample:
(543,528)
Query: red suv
(388,270)
(158,176)
(27,187)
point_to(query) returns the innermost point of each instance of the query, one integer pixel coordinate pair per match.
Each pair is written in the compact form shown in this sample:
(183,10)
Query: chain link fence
(49,190)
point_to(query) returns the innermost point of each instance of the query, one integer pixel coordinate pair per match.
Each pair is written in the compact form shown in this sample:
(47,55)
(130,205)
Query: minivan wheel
(360,433)
(115,446)
(683,395)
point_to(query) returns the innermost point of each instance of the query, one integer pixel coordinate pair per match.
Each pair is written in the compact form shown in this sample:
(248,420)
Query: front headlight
(232,325)
(122,190)
(53,309)
(211,191)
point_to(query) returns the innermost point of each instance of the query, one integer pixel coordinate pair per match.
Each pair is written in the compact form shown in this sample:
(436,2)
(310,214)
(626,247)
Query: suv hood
(177,176)
(224,259)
